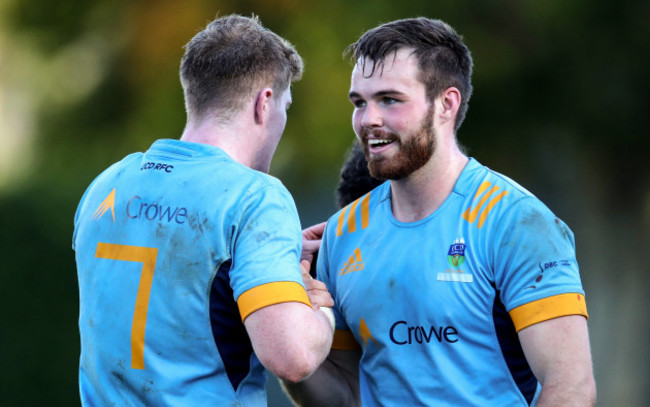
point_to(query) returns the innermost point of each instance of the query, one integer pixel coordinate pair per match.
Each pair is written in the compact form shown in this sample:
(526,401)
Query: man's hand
(316,290)
(311,238)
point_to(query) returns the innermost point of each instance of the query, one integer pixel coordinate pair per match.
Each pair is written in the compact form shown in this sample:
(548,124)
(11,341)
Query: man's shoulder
(520,198)
(494,198)
(112,170)
(359,214)
(258,186)
(478,179)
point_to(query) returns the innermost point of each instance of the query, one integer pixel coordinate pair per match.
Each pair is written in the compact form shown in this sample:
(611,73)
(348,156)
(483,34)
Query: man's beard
(411,155)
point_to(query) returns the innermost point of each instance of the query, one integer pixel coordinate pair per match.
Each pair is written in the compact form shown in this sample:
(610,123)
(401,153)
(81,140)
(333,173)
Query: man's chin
(384,172)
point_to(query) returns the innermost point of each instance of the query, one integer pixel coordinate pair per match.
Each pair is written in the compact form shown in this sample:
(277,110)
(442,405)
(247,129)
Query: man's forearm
(331,384)
(558,352)
(568,394)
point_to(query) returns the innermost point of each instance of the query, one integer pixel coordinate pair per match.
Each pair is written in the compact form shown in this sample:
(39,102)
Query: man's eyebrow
(382,93)
(388,92)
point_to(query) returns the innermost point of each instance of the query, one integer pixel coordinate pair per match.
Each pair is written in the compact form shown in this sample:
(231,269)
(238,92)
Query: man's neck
(231,138)
(419,195)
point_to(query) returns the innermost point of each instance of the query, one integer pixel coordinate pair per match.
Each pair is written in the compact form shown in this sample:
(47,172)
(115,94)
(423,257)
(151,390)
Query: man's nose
(371,116)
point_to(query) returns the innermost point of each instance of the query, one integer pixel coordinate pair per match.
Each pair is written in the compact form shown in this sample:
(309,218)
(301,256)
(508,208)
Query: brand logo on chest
(354,263)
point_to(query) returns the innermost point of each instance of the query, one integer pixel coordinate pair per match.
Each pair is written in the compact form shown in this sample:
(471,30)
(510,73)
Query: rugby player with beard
(453,285)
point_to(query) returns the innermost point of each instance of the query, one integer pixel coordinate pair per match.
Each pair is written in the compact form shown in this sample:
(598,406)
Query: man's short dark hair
(444,60)
(232,58)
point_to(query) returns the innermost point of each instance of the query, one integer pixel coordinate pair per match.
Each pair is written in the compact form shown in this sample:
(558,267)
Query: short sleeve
(266,249)
(535,266)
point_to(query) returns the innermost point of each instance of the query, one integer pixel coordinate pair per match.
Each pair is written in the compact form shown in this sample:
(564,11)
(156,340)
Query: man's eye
(359,103)
(389,101)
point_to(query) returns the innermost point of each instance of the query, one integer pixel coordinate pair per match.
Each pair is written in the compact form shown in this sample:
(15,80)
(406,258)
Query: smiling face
(392,116)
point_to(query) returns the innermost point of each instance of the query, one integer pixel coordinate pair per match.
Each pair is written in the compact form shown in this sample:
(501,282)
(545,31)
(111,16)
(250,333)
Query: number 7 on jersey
(147,256)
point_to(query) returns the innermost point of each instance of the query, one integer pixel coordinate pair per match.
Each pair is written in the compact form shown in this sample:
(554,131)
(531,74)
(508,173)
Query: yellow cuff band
(548,308)
(269,294)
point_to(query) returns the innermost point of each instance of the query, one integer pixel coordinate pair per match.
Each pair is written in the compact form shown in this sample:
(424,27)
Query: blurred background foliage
(560,105)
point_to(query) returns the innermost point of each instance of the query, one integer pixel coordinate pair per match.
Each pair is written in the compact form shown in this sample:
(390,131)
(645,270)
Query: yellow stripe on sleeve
(548,308)
(352,218)
(485,185)
(344,340)
(339,224)
(270,294)
(489,207)
(471,216)
(365,211)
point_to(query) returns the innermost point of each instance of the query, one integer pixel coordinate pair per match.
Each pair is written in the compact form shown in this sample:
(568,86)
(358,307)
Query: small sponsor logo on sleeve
(548,266)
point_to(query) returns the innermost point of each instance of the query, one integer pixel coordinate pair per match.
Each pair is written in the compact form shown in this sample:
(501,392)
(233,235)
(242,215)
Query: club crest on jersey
(456,254)
(456,258)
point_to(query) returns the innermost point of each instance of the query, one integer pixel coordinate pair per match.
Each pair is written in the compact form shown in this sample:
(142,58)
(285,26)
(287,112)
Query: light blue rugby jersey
(174,248)
(436,304)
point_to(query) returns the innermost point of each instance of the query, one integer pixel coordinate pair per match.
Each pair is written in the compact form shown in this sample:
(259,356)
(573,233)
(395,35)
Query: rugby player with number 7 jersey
(188,253)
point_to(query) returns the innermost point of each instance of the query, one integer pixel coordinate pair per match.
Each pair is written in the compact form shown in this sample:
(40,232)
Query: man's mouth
(377,145)
(378,142)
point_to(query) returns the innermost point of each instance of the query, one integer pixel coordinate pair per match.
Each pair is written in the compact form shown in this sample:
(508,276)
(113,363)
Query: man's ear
(262,106)
(448,103)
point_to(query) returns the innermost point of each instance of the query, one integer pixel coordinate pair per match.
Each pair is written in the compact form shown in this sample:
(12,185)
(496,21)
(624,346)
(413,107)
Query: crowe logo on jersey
(107,203)
(354,263)
(401,333)
(139,209)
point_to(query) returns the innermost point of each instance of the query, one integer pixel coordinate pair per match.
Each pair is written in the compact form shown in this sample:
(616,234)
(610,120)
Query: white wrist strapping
(330,316)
